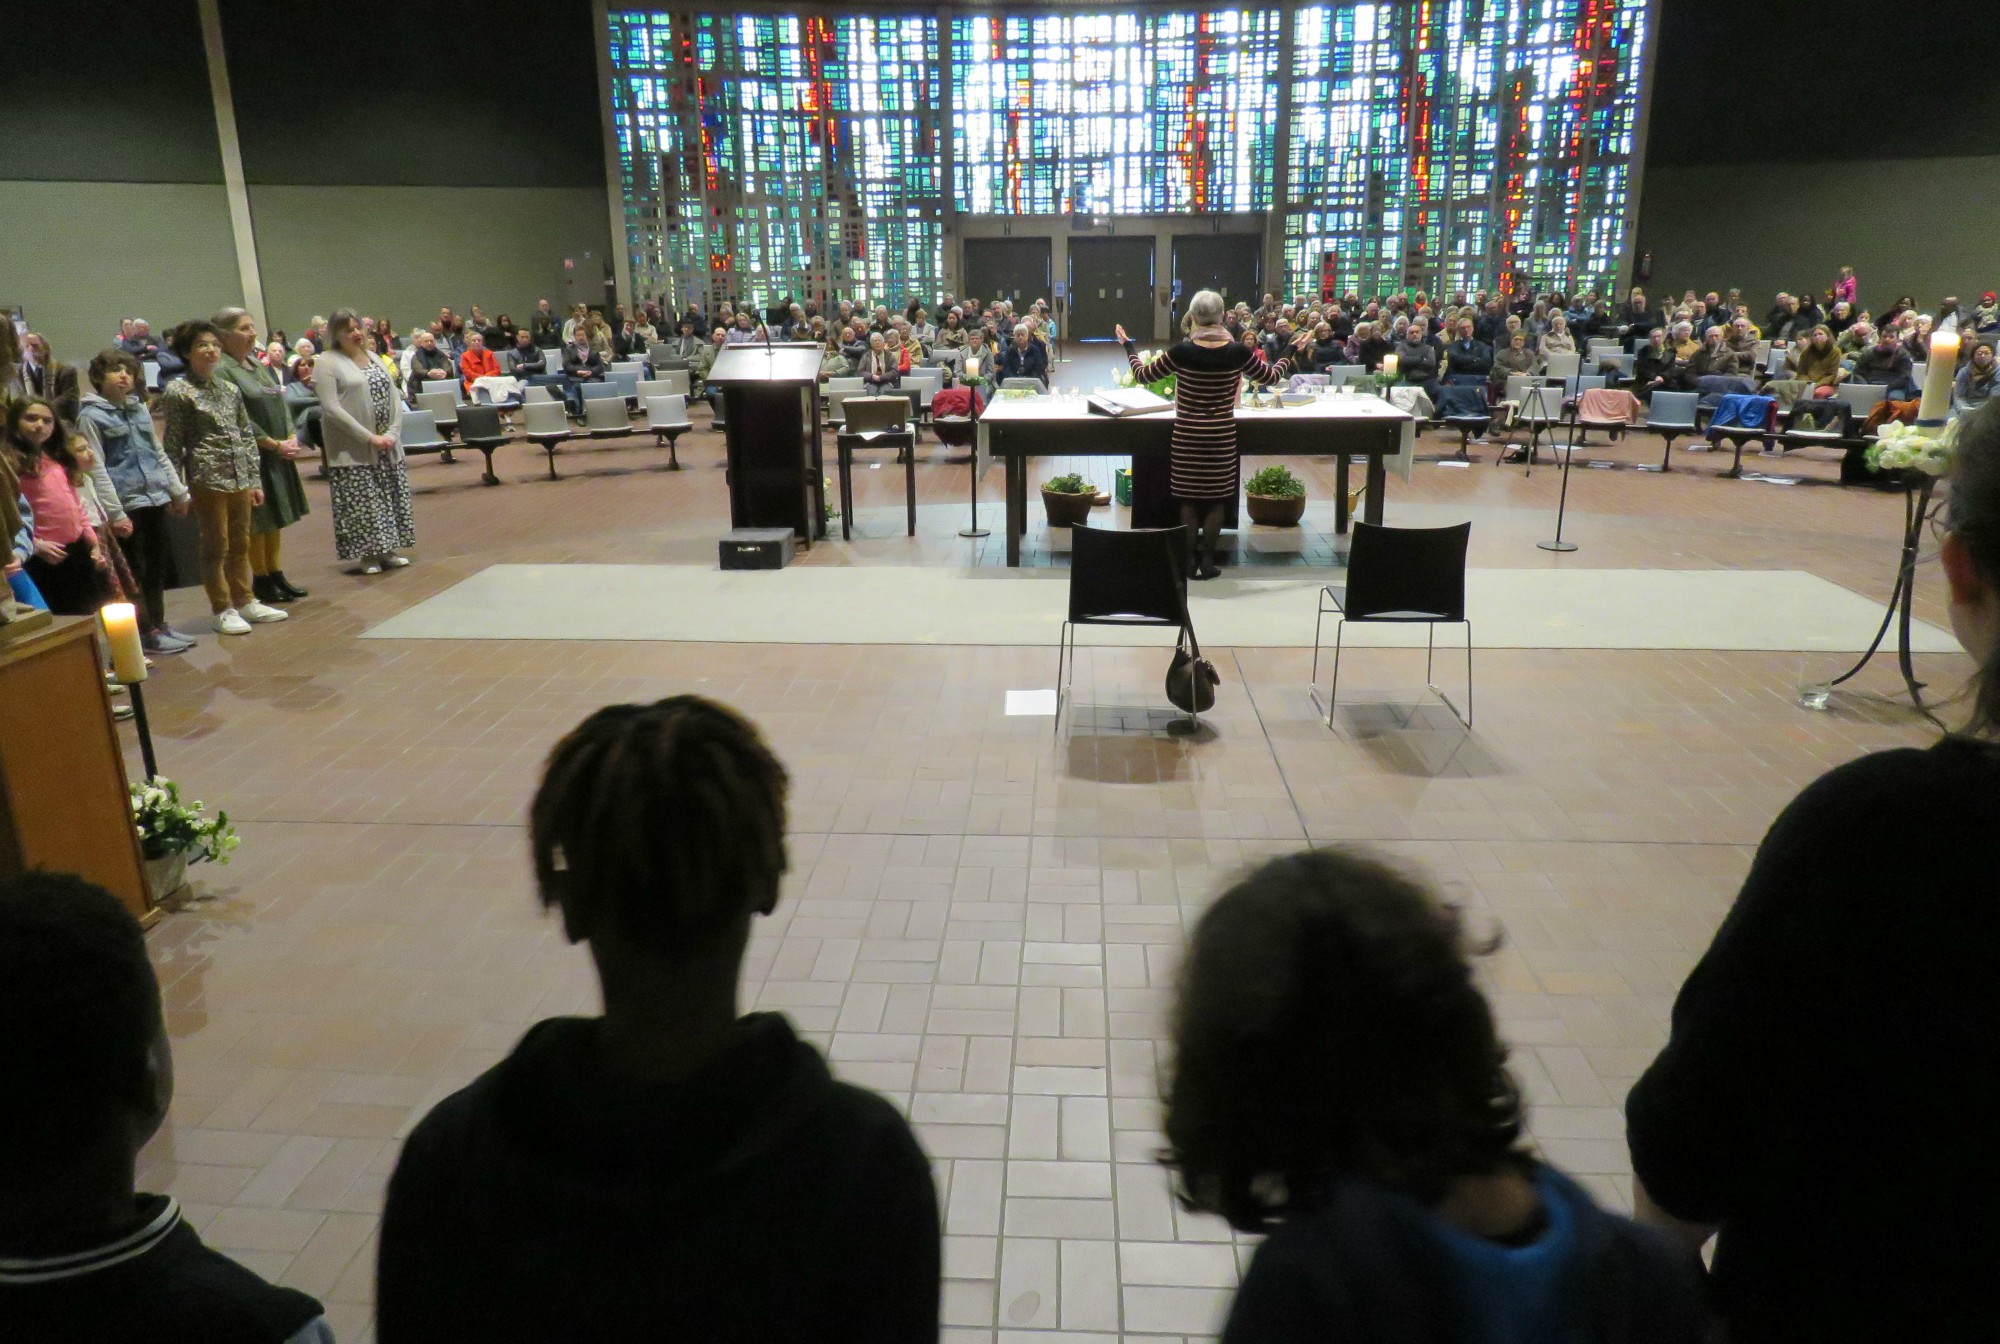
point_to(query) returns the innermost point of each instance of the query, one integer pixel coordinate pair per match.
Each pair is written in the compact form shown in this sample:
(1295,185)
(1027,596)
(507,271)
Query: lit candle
(121,632)
(1938,378)
(1390,364)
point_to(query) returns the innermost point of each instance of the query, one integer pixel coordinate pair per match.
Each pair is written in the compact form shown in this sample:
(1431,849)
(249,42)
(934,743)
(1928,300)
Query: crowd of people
(1337,1084)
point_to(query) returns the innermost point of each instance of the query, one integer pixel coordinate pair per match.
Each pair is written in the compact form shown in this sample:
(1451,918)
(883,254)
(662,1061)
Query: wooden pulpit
(770,399)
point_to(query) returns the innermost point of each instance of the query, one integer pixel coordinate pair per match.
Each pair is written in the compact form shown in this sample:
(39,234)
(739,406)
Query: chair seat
(1125,620)
(1679,426)
(1475,421)
(1339,596)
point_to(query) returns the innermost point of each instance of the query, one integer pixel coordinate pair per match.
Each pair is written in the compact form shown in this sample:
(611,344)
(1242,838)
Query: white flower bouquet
(1901,447)
(168,826)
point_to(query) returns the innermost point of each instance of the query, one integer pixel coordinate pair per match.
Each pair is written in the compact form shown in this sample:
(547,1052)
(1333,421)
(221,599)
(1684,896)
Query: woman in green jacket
(277,447)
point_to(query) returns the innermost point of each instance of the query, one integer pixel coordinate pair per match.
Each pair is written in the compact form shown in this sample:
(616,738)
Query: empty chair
(1774,362)
(1338,374)
(1307,382)
(1863,397)
(1672,415)
(627,383)
(442,403)
(1565,364)
(536,393)
(1023,385)
(1540,410)
(606,418)
(548,425)
(151,368)
(669,383)
(1582,383)
(632,366)
(667,417)
(1123,578)
(845,385)
(662,357)
(420,434)
(1404,576)
(601,391)
(479,427)
(1464,409)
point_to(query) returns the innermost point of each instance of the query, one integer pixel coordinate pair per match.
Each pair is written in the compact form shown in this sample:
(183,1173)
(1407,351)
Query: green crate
(1122,486)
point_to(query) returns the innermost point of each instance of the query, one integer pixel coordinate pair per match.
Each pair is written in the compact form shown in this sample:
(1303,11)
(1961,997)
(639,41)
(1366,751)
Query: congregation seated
(140,342)
(84,1254)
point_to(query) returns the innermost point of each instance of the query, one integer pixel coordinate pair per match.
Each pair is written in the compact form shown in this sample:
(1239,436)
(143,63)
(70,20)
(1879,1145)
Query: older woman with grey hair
(1209,371)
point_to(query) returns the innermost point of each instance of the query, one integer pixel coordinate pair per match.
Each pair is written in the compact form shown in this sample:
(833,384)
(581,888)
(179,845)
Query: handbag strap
(1188,641)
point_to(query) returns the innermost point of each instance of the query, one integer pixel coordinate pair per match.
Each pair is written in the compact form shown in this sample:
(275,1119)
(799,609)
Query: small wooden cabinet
(64,802)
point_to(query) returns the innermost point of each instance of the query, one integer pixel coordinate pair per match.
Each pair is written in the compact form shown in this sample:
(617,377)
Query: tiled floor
(983,921)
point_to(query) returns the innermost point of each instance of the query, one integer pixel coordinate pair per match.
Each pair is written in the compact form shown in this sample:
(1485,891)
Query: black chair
(1122,578)
(1463,407)
(479,427)
(1402,576)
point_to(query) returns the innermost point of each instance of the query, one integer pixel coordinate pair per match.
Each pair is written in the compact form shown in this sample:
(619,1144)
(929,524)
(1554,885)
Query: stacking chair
(479,427)
(1402,576)
(1564,364)
(1465,410)
(1122,578)
(606,418)
(667,417)
(420,434)
(548,425)
(1671,415)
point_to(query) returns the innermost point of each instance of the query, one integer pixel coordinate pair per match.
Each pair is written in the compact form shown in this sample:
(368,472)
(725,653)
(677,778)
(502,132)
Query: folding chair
(667,417)
(479,427)
(1401,576)
(1671,415)
(548,425)
(1122,578)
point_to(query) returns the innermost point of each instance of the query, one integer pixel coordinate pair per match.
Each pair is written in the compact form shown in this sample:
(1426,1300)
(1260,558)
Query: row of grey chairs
(547,425)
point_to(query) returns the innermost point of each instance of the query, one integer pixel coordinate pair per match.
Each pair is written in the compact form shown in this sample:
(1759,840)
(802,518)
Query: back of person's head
(1971,557)
(1205,309)
(1328,1027)
(661,826)
(82,1056)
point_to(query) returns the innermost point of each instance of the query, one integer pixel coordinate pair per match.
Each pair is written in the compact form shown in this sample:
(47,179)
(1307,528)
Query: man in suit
(42,376)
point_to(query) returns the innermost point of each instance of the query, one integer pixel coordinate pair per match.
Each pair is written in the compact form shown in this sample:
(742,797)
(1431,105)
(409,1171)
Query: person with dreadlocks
(669,1170)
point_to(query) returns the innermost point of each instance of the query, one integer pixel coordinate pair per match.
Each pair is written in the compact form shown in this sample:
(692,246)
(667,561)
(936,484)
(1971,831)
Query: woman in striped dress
(1209,369)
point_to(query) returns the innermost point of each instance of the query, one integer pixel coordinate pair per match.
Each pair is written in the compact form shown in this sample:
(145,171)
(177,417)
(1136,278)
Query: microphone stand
(1562,500)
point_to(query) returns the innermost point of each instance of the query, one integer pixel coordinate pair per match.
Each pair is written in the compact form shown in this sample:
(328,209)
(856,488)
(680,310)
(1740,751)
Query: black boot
(286,585)
(265,588)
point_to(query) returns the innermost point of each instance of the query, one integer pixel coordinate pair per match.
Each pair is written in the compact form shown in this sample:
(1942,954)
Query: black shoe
(266,589)
(1209,572)
(286,585)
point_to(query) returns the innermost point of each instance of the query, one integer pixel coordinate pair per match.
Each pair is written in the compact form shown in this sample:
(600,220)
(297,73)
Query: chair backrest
(1774,362)
(1542,404)
(441,403)
(637,366)
(1136,577)
(1463,402)
(926,383)
(1583,382)
(658,355)
(151,369)
(1600,348)
(1407,570)
(602,391)
(626,381)
(1672,410)
(606,413)
(1863,397)
(547,417)
(866,413)
(1022,385)
(479,422)
(420,432)
(667,412)
(1338,374)
(671,382)
(536,393)
(1300,381)
(1918,372)
(1565,364)
(846,385)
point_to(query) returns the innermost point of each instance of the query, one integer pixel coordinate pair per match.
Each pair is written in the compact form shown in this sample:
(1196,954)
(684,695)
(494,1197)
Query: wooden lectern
(770,399)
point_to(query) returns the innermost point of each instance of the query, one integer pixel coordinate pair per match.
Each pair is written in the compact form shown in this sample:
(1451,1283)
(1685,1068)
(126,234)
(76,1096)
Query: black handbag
(1191,678)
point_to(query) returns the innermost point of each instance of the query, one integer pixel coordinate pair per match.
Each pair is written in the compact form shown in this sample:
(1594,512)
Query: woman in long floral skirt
(361,427)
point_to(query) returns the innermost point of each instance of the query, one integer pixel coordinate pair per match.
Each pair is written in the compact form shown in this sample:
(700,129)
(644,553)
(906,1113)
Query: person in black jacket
(1467,360)
(546,327)
(669,1170)
(1825,1103)
(581,364)
(429,364)
(87,1073)
(528,359)
(1339,1085)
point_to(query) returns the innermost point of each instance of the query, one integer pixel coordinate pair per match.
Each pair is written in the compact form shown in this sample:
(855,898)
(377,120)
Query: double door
(1110,282)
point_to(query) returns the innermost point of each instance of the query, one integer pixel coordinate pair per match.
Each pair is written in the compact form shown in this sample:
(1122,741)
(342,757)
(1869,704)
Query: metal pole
(1562,499)
(137,691)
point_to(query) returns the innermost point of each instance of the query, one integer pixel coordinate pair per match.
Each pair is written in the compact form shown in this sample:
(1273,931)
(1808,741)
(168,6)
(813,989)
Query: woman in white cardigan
(361,428)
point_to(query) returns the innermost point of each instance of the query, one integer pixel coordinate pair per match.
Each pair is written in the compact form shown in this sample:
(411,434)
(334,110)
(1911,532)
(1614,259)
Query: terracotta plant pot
(1276,510)
(1067,510)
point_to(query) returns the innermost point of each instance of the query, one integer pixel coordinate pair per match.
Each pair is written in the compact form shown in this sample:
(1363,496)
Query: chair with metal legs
(1400,576)
(1136,577)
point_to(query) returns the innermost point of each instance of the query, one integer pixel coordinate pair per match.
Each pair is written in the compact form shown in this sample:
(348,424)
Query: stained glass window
(1441,144)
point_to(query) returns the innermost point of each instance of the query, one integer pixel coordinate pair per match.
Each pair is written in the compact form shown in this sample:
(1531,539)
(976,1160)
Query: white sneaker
(263,615)
(229,623)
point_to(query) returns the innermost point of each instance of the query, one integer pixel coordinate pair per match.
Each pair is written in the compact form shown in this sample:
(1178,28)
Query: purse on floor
(1191,678)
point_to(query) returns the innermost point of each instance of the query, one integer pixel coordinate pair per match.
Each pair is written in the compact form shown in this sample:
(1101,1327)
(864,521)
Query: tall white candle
(1390,364)
(1938,379)
(121,632)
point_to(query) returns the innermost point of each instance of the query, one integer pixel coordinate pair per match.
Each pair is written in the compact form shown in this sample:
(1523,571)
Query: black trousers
(73,585)
(150,553)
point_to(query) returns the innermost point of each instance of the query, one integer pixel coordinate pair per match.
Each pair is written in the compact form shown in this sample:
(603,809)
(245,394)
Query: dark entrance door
(1229,263)
(1007,268)
(1110,281)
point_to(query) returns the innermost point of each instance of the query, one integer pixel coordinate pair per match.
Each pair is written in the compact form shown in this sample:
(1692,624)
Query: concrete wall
(1923,227)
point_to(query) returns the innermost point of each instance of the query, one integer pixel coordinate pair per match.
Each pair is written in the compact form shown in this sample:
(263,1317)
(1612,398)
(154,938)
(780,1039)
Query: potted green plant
(1068,500)
(1277,498)
(173,834)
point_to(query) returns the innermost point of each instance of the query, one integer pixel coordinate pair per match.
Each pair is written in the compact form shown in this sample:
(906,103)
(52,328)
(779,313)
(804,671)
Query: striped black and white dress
(1207,379)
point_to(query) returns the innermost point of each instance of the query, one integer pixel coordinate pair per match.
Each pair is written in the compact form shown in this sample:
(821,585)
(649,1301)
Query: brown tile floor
(983,921)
